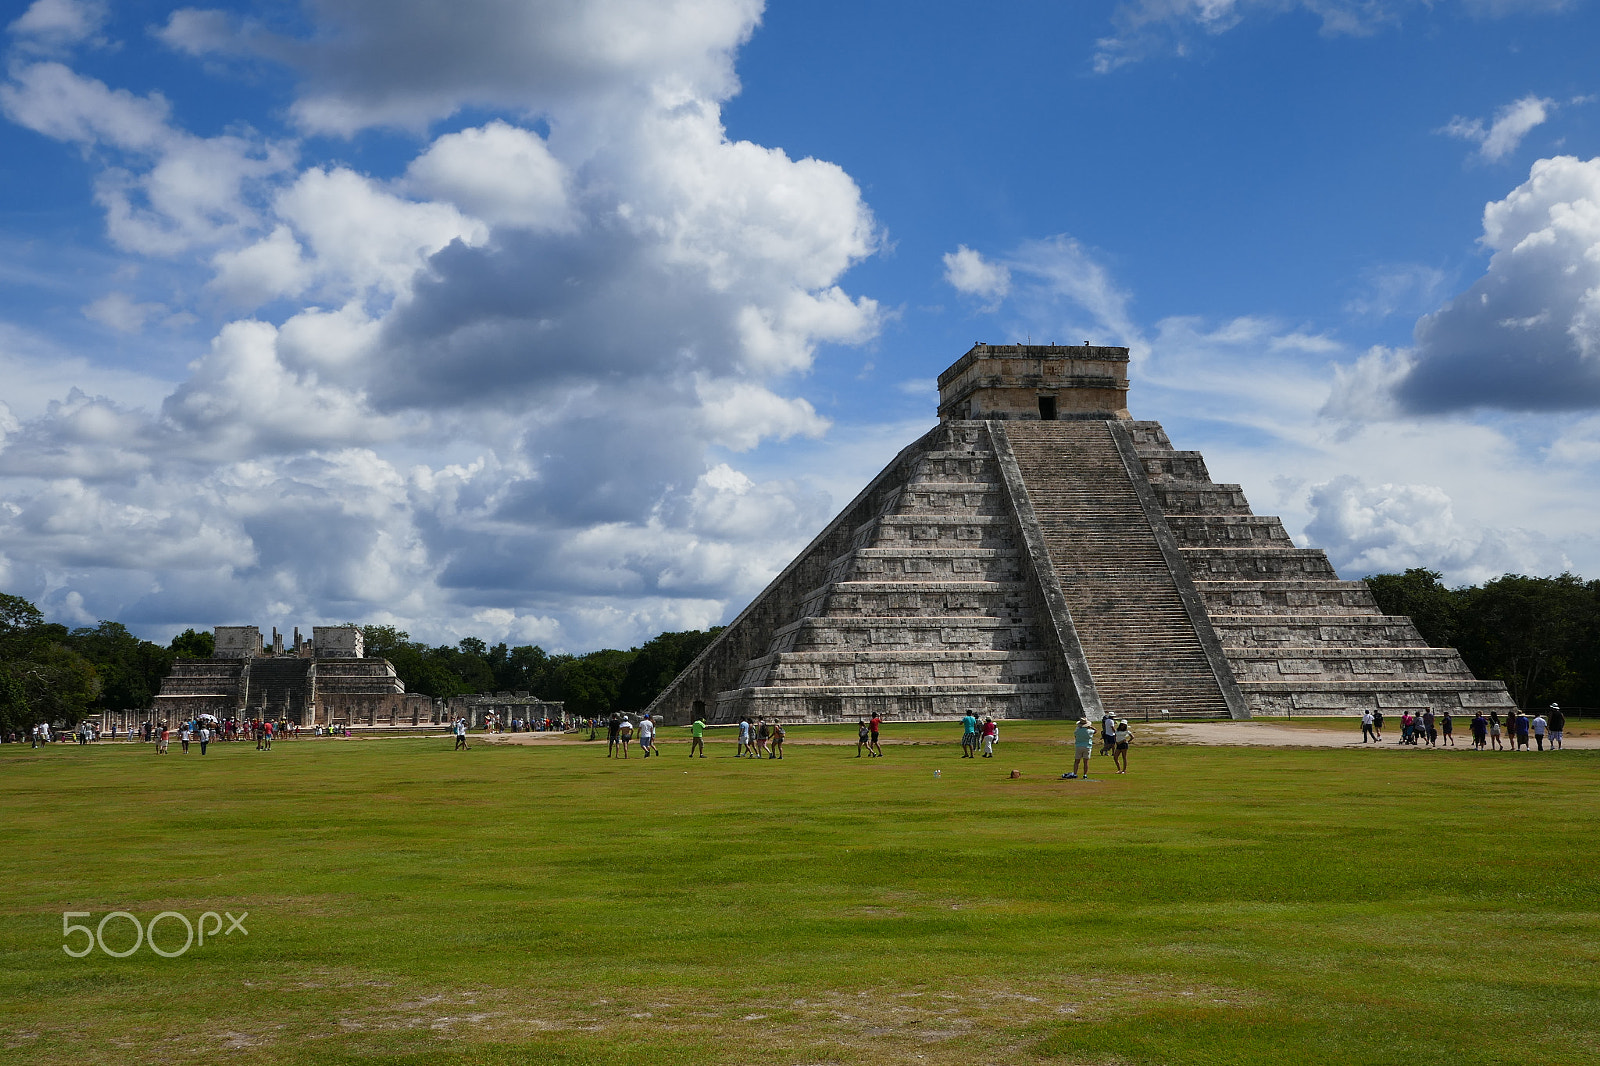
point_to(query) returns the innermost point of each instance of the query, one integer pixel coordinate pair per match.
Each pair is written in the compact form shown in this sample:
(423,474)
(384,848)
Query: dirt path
(1271,735)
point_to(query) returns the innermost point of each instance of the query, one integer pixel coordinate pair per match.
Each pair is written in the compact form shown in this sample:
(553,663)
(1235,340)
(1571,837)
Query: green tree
(589,685)
(193,645)
(657,662)
(1420,595)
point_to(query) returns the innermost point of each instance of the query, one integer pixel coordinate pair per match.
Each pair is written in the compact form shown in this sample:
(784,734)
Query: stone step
(897,668)
(1294,665)
(896,703)
(1353,698)
(956,497)
(961,633)
(936,531)
(927,564)
(1228,531)
(1200,498)
(1174,466)
(1212,564)
(1287,597)
(855,599)
(1271,631)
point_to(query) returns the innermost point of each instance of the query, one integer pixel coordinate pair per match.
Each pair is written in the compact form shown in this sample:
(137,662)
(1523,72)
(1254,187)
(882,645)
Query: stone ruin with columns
(1041,554)
(327,680)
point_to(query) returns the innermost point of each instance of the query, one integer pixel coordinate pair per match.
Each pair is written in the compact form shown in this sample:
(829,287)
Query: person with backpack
(863,739)
(1124,737)
(777,741)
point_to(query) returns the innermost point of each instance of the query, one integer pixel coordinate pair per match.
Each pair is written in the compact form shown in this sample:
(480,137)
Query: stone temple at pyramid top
(1046,382)
(1040,554)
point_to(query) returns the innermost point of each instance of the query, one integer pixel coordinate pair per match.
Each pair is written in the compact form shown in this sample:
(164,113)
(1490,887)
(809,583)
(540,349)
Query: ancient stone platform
(1054,559)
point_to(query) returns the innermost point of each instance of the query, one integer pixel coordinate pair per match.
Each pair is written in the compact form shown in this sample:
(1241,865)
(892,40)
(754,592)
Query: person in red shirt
(872,745)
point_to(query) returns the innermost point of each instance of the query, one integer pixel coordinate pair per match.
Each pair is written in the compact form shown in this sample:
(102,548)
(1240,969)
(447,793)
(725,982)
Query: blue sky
(569,323)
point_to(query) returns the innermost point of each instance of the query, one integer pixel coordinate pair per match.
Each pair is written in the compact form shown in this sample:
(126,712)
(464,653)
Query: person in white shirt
(647,736)
(1108,732)
(1366,727)
(745,746)
(1123,737)
(625,733)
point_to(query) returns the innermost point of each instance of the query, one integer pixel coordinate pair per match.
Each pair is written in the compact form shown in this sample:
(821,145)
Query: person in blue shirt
(1083,745)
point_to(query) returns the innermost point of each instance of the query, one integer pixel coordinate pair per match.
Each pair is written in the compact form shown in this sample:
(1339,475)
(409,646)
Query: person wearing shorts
(777,741)
(873,726)
(647,736)
(1558,725)
(1123,737)
(863,739)
(1083,747)
(1494,729)
(763,735)
(1108,733)
(625,734)
(697,738)
(969,735)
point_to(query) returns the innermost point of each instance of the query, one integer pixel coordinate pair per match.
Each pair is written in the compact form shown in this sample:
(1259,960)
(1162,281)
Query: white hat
(1555,706)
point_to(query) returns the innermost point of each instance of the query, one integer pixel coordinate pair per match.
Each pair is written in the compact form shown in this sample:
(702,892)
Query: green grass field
(546,905)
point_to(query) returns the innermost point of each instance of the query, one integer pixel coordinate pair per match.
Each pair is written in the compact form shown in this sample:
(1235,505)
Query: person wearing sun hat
(1083,745)
(1558,724)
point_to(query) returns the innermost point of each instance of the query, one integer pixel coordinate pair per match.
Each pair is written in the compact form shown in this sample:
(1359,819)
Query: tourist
(161,745)
(1540,727)
(874,726)
(763,737)
(625,733)
(1366,727)
(969,735)
(1083,747)
(1108,733)
(461,734)
(745,746)
(1124,737)
(1377,725)
(1494,729)
(697,737)
(1429,727)
(991,733)
(267,728)
(1447,726)
(1558,725)
(613,733)
(183,737)
(1480,731)
(205,737)
(777,740)
(1523,725)
(647,736)
(863,739)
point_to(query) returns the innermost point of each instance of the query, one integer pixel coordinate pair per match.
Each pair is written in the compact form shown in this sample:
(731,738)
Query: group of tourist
(1115,738)
(760,739)
(974,734)
(621,730)
(1430,730)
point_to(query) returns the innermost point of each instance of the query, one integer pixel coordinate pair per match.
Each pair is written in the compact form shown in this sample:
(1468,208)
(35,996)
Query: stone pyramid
(1040,554)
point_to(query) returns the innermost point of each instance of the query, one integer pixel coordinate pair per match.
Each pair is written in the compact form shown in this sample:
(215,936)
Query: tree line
(590,685)
(51,673)
(1540,635)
